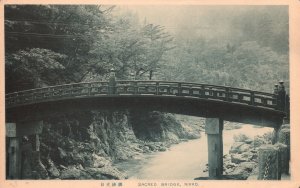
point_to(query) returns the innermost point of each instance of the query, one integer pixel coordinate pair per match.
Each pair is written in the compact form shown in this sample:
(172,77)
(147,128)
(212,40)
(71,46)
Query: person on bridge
(112,81)
(281,96)
(276,89)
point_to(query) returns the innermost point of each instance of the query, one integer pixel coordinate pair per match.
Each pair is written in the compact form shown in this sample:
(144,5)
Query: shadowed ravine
(186,160)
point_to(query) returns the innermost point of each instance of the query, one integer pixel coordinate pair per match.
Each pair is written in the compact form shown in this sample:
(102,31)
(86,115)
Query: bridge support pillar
(214,129)
(277,128)
(14,133)
(269,163)
(275,135)
(13,151)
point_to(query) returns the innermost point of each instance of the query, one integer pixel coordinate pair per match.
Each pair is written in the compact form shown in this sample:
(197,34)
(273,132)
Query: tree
(33,68)
(132,48)
(59,29)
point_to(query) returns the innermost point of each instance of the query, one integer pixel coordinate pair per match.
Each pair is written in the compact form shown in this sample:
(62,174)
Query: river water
(185,160)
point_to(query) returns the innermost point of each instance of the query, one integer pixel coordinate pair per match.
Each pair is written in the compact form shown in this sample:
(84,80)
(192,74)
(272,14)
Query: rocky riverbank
(85,145)
(232,125)
(243,155)
(242,160)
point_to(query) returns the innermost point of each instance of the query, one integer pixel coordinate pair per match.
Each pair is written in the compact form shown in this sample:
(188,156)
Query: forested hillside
(48,45)
(241,46)
(63,44)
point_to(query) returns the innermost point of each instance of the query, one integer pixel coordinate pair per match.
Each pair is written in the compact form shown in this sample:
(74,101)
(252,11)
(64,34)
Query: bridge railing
(56,92)
(204,91)
(144,87)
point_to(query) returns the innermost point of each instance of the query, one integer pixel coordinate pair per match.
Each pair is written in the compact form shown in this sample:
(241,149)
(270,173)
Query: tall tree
(63,30)
(132,48)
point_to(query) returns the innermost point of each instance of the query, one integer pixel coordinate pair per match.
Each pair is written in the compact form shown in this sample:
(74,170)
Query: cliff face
(84,145)
(157,126)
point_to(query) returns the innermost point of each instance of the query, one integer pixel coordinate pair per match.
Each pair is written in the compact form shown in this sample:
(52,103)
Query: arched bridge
(232,104)
(25,110)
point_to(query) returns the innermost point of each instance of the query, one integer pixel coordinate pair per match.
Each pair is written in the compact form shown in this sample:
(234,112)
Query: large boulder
(106,173)
(244,148)
(286,126)
(76,158)
(84,175)
(52,169)
(248,141)
(258,141)
(230,165)
(99,162)
(240,137)
(39,169)
(191,132)
(238,158)
(239,147)
(70,173)
(249,166)
(244,168)
(235,147)
(232,125)
(62,153)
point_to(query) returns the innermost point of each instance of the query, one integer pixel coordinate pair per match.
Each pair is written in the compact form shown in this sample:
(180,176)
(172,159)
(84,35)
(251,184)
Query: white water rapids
(185,160)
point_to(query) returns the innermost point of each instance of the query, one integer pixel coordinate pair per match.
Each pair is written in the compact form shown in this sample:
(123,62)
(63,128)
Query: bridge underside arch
(228,111)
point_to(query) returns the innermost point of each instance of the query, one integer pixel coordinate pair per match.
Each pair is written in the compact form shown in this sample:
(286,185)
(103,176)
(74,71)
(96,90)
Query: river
(185,160)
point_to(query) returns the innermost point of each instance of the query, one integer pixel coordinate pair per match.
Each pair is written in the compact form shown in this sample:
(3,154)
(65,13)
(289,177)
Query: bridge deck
(232,104)
(158,88)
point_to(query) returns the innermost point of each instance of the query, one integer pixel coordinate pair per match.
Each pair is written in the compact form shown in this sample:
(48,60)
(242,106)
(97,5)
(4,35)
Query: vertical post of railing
(15,100)
(157,88)
(132,77)
(191,90)
(240,97)
(227,94)
(215,93)
(276,96)
(135,87)
(89,89)
(49,92)
(168,89)
(252,97)
(281,97)
(179,89)
(210,91)
(112,82)
(203,91)
(264,101)
(287,108)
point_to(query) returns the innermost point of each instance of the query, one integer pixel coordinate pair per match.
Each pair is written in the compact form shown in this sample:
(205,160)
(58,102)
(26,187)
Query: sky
(209,21)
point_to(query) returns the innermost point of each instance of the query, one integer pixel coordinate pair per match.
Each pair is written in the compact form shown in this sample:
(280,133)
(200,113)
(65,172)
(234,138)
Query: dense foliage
(242,46)
(55,44)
